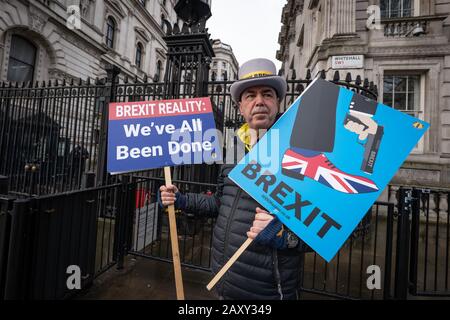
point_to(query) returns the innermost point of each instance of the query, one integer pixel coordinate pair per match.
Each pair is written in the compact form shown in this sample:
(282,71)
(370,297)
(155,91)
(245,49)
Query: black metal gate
(430,243)
(41,237)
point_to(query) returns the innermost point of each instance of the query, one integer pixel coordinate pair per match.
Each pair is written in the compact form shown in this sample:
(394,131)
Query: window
(139,51)
(110,32)
(224,65)
(405,93)
(158,70)
(402,92)
(22,60)
(396,8)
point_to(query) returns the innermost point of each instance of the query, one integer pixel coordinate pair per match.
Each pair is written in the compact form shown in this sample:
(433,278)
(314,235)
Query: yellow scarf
(244,134)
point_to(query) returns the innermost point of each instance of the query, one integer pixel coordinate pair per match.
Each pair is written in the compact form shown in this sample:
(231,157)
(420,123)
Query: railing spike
(358,80)
(348,78)
(323,75)
(80,81)
(294,75)
(185,29)
(308,74)
(366,83)
(176,28)
(336,76)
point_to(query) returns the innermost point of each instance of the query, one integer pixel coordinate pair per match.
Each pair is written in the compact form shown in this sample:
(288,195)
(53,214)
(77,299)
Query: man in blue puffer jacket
(269,268)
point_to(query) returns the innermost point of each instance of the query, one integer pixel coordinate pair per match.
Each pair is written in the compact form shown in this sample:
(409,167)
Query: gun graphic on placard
(362,107)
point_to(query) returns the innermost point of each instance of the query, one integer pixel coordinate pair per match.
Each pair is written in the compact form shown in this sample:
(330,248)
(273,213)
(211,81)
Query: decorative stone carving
(69,37)
(37,19)
(85,7)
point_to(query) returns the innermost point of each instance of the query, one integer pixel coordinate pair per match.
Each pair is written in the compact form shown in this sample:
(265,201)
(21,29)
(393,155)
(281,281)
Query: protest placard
(325,162)
(313,170)
(153,134)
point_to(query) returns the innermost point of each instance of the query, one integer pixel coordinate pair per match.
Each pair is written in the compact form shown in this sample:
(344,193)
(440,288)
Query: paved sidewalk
(145,279)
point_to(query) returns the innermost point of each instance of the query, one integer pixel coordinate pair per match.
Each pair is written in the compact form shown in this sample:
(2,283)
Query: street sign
(355,61)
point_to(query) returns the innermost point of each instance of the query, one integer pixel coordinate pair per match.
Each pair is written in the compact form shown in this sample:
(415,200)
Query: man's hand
(168,195)
(262,219)
(358,128)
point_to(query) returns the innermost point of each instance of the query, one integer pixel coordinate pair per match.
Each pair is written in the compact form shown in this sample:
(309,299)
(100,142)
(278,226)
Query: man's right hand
(168,196)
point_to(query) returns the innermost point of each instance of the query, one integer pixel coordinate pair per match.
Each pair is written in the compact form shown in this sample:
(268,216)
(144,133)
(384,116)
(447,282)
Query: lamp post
(189,51)
(193,11)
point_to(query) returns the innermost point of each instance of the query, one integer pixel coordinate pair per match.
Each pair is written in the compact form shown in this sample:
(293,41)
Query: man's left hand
(262,219)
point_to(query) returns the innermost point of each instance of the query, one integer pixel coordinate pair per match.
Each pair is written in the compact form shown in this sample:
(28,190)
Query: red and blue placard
(153,134)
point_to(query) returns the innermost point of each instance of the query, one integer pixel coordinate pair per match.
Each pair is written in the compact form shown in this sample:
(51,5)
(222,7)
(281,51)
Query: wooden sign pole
(227,266)
(174,242)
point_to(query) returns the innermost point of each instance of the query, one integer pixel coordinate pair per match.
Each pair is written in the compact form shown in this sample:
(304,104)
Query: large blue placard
(326,161)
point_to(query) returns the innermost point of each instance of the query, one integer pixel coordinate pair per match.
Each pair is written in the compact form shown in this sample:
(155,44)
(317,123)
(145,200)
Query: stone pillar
(345,15)
(99,14)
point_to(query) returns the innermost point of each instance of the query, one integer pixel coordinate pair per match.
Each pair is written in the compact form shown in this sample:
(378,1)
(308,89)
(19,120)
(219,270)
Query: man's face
(259,106)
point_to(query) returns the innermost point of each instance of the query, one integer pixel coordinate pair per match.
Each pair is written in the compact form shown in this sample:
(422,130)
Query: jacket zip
(233,209)
(277,272)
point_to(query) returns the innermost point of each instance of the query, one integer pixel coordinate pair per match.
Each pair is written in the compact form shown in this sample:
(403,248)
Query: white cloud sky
(251,27)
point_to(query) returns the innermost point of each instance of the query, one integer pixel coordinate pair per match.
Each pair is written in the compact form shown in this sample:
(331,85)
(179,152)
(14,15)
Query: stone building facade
(66,39)
(403,46)
(224,61)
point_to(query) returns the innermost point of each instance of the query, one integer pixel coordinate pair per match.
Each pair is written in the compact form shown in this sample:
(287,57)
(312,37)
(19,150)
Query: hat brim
(276,82)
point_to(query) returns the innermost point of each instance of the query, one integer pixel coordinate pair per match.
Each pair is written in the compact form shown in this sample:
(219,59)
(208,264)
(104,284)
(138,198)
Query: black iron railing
(53,135)
(44,236)
(49,135)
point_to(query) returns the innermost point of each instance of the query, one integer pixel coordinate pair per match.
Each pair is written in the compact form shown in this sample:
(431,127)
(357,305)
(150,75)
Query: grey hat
(258,72)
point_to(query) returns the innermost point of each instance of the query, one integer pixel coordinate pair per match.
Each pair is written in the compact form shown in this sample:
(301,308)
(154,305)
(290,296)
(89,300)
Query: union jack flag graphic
(320,169)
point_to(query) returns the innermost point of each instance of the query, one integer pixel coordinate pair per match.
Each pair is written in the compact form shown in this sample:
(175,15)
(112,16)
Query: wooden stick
(227,266)
(174,241)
